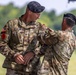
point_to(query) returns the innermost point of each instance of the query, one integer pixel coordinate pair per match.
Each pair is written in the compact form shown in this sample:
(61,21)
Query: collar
(24,25)
(29,23)
(69,30)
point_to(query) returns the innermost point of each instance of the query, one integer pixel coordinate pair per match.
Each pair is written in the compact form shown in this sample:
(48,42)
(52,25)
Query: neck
(26,18)
(69,28)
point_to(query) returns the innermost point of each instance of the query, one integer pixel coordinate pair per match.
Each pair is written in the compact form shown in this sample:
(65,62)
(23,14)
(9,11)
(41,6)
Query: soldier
(61,45)
(18,42)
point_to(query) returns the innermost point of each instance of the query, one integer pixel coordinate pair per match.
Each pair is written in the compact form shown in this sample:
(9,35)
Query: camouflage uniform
(61,45)
(18,37)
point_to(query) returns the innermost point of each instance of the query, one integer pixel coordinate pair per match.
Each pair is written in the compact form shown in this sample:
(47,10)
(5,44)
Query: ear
(64,20)
(29,12)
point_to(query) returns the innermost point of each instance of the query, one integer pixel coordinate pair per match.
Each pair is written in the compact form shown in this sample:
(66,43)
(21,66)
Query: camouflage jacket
(18,37)
(61,45)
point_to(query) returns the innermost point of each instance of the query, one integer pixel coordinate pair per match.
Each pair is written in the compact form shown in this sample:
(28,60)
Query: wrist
(16,54)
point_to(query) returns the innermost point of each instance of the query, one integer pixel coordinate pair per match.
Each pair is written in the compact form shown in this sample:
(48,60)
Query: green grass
(72,65)
(2,70)
(71,70)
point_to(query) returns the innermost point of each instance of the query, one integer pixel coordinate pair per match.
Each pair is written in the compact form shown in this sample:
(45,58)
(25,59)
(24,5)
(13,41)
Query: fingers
(44,26)
(28,57)
(19,59)
(24,60)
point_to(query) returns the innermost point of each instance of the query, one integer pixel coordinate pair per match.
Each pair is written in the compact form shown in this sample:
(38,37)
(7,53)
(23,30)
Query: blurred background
(52,17)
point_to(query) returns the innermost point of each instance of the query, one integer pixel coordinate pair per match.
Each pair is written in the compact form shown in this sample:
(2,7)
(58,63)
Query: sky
(59,5)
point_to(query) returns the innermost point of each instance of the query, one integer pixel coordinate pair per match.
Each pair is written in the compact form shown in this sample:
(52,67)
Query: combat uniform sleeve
(51,37)
(4,38)
(75,43)
(48,36)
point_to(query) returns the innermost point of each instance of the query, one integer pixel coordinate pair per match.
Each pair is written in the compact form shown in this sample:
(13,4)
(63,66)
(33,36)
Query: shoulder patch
(3,34)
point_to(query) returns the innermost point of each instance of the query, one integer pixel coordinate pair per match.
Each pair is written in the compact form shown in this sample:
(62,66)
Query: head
(69,20)
(34,10)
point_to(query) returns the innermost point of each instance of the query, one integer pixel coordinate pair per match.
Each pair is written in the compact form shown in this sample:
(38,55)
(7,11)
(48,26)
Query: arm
(5,49)
(48,36)
(4,38)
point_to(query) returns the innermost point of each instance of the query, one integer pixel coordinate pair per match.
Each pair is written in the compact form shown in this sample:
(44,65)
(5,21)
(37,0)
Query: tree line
(49,18)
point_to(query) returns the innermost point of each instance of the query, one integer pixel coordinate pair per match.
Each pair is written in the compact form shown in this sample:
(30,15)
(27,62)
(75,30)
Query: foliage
(6,13)
(50,18)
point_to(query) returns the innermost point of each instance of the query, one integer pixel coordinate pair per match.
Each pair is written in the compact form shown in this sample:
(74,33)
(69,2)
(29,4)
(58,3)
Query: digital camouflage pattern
(18,37)
(60,48)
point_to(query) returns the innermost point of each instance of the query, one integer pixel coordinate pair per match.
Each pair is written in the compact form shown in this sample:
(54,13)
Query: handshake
(20,59)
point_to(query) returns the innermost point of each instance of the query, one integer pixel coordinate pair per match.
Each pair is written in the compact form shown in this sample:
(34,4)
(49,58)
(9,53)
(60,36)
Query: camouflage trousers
(13,72)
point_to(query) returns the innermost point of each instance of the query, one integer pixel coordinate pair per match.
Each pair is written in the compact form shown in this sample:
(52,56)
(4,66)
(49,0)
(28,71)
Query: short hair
(70,19)
(70,22)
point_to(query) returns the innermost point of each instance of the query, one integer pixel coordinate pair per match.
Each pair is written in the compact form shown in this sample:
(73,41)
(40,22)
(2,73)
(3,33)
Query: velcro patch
(3,34)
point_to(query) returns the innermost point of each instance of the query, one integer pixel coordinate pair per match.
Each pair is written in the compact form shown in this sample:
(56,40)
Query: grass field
(2,70)
(71,70)
(72,65)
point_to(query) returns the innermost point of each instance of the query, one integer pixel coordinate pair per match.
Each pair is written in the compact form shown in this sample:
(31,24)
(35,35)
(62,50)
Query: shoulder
(63,35)
(12,23)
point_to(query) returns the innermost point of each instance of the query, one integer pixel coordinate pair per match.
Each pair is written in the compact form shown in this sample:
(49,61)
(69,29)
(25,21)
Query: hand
(19,59)
(27,57)
(44,26)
